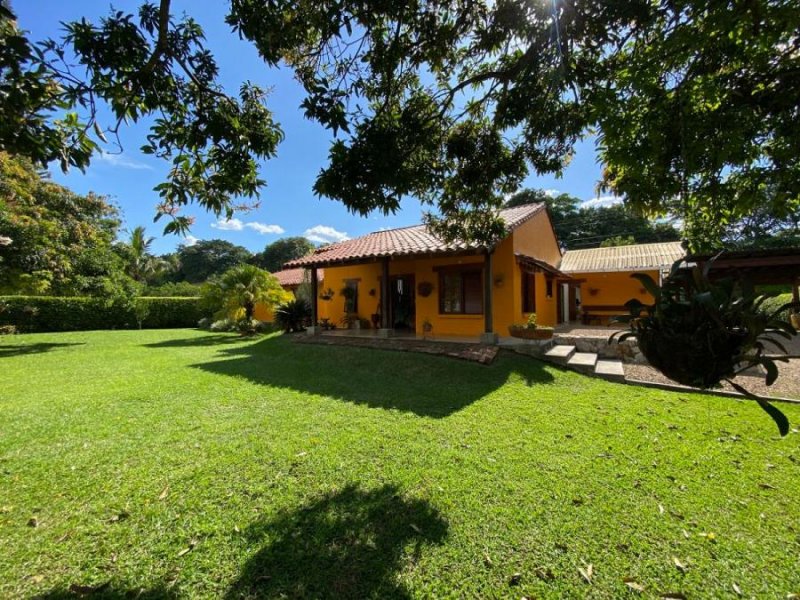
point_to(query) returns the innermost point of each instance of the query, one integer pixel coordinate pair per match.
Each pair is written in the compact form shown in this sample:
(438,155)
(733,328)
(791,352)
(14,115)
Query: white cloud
(322,234)
(190,240)
(229,225)
(239,225)
(263,228)
(123,162)
(552,192)
(602,201)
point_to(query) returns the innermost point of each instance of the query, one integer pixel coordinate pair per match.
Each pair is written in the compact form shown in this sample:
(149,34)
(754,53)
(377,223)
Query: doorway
(402,302)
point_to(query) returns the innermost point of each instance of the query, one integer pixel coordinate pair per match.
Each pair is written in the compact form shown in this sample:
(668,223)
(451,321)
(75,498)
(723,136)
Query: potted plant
(530,330)
(350,321)
(326,294)
(425,288)
(427,327)
(701,333)
(376,320)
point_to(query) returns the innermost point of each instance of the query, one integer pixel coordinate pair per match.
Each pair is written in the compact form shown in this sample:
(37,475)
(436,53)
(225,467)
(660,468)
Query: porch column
(314,329)
(488,336)
(385,330)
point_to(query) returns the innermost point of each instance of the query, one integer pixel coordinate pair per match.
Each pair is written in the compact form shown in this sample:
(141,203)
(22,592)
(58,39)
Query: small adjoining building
(604,276)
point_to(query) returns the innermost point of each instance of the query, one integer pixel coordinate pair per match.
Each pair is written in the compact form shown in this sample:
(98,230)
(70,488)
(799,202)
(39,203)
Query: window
(528,292)
(351,296)
(461,292)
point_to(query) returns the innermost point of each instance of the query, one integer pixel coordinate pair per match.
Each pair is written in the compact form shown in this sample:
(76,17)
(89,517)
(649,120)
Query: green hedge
(49,313)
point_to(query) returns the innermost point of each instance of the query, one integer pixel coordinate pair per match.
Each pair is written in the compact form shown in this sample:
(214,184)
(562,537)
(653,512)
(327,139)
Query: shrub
(770,305)
(293,315)
(52,313)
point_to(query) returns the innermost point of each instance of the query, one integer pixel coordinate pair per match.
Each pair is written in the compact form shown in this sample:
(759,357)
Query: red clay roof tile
(406,241)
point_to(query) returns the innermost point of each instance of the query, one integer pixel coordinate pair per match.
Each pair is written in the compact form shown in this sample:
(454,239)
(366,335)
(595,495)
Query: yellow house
(605,278)
(407,279)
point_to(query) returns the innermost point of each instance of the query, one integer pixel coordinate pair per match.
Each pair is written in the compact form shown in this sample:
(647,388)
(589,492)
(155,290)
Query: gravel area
(787,385)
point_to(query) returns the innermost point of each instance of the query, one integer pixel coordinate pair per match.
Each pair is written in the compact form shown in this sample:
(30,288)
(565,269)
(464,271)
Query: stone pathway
(484,355)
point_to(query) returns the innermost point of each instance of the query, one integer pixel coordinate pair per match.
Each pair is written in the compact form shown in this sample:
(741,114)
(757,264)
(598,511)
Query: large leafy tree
(57,242)
(279,252)
(207,258)
(694,103)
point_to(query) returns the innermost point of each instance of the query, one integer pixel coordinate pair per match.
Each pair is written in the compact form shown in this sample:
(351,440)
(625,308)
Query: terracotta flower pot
(530,334)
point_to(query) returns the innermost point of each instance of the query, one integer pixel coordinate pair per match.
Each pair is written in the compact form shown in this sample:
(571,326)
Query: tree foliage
(279,252)
(61,243)
(694,104)
(596,226)
(148,65)
(207,258)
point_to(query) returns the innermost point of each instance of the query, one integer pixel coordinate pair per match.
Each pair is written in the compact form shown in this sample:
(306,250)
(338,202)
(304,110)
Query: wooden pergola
(777,266)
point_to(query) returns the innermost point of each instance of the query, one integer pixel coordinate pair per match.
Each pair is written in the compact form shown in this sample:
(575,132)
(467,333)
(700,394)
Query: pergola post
(488,336)
(385,330)
(314,329)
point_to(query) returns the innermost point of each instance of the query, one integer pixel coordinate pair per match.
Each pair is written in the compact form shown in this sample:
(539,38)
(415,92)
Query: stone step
(560,354)
(610,369)
(583,362)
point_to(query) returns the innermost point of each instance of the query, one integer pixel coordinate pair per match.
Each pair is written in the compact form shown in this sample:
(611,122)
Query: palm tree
(141,263)
(242,287)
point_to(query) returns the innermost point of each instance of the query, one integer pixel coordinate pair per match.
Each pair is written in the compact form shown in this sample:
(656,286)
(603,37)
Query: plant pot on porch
(795,320)
(540,333)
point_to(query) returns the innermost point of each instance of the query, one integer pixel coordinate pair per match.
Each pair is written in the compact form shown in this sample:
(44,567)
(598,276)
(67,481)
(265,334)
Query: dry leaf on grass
(164,493)
(633,584)
(587,573)
(188,549)
(679,565)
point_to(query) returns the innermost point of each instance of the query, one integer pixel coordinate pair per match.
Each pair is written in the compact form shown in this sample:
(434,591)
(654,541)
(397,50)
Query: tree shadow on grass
(426,385)
(348,544)
(199,342)
(22,349)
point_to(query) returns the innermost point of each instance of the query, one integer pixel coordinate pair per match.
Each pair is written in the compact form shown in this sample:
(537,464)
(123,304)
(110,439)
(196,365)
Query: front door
(402,304)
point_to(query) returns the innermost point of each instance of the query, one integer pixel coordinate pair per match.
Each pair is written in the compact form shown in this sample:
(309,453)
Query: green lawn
(188,464)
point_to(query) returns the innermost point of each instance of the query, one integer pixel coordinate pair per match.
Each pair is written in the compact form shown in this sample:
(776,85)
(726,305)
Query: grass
(165,464)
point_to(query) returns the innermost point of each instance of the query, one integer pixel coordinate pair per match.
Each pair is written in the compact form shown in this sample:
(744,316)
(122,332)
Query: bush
(294,315)
(31,314)
(770,305)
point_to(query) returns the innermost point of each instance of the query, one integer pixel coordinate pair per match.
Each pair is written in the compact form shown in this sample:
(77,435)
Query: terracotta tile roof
(622,258)
(292,277)
(406,241)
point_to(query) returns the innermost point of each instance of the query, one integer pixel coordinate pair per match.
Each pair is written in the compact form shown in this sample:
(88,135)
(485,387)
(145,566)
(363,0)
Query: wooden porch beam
(487,294)
(314,294)
(385,294)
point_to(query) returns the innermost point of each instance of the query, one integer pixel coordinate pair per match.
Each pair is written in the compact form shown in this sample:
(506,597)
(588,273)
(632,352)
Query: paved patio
(461,348)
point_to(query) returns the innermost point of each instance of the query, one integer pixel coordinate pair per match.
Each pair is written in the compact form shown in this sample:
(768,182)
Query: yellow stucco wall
(613,289)
(536,238)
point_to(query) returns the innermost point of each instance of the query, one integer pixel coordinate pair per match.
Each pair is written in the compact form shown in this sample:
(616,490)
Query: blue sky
(288,205)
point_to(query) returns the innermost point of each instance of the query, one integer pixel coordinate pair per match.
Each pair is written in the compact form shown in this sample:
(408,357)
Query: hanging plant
(701,333)
(425,289)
